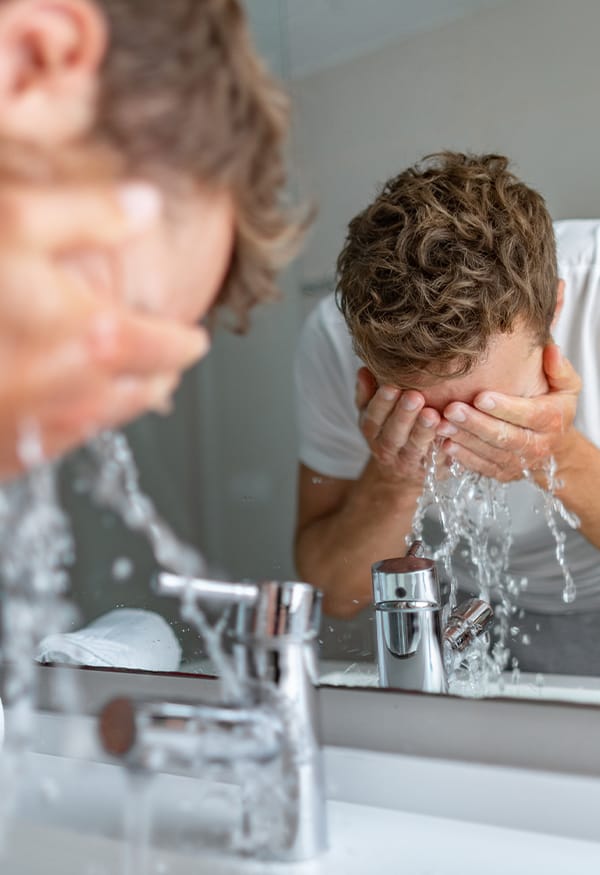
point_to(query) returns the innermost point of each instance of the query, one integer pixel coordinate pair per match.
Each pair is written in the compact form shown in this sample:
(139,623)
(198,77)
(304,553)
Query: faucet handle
(410,578)
(220,593)
(267,609)
(182,736)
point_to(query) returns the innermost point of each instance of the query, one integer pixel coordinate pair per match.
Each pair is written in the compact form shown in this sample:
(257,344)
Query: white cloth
(331,443)
(123,638)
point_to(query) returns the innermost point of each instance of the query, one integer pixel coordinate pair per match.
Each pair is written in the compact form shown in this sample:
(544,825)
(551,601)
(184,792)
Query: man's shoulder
(328,314)
(577,242)
(327,321)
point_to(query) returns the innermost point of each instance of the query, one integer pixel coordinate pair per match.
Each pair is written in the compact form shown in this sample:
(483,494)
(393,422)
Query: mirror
(373,90)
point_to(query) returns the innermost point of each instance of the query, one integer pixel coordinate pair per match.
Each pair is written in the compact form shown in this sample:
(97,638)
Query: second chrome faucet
(411,633)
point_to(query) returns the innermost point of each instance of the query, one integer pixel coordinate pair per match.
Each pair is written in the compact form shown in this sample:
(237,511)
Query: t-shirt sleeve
(329,438)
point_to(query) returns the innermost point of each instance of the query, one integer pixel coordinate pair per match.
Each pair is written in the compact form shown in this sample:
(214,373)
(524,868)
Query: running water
(36,548)
(115,485)
(472,510)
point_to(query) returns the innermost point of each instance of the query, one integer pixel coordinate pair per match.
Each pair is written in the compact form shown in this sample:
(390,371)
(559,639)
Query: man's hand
(501,435)
(70,362)
(398,428)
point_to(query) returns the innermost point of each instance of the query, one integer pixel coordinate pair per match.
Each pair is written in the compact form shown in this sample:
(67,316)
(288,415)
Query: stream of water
(37,549)
(475,519)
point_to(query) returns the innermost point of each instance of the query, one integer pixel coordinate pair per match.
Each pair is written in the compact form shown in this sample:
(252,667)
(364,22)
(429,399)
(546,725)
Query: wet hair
(452,252)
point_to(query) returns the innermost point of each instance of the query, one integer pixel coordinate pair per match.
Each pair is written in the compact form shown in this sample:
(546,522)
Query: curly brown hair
(182,89)
(452,252)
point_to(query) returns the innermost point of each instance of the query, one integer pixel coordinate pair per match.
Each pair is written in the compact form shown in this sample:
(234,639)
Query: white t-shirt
(332,444)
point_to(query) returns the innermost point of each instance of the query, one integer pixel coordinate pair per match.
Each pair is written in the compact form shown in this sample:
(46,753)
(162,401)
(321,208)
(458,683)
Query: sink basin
(70,819)
(85,838)
(362,837)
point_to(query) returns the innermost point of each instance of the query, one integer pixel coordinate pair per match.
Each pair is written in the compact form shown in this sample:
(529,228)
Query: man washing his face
(456,325)
(141,172)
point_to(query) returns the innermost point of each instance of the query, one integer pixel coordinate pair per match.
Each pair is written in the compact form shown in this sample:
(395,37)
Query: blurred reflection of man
(141,166)
(449,293)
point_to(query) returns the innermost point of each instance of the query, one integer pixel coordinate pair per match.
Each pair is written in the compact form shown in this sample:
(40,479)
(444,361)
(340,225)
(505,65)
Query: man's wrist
(567,457)
(391,486)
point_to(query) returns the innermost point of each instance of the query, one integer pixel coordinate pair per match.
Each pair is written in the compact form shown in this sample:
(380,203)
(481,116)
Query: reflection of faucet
(410,639)
(274,649)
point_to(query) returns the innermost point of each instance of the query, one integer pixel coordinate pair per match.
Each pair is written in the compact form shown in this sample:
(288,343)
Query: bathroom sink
(363,839)
(386,812)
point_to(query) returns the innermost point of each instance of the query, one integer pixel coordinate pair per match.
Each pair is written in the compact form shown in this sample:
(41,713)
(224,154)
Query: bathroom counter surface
(364,840)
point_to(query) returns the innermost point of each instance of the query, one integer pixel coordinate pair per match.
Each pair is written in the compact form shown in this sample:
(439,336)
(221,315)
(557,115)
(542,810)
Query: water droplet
(122,568)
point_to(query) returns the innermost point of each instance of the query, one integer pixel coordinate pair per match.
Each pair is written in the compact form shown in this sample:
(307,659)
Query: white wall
(521,79)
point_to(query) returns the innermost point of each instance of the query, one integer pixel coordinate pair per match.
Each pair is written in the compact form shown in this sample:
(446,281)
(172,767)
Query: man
(141,167)
(449,295)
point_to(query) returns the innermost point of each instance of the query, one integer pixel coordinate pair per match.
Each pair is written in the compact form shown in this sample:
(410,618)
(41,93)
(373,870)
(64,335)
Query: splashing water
(36,549)
(471,510)
(232,690)
(554,508)
(116,486)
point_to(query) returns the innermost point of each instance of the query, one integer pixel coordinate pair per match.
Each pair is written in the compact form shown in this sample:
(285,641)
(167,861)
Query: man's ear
(560,300)
(50,53)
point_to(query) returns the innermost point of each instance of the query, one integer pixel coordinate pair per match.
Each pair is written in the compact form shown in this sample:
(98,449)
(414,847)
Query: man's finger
(553,412)
(65,426)
(494,432)
(56,219)
(123,343)
(400,422)
(560,373)
(472,462)
(497,453)
(366,386)
(424,430)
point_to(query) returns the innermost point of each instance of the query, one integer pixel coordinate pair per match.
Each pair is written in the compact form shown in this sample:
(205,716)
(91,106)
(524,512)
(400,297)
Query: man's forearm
(336,552)
(579,476)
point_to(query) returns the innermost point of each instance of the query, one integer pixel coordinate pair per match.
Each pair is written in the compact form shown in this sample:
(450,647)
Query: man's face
(176,268)
(513,366)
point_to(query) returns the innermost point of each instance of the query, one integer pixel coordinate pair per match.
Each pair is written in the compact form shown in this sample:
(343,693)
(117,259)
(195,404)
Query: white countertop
(387,814)
(364,840)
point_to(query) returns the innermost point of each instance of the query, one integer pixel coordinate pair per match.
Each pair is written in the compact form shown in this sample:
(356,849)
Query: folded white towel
(123,638)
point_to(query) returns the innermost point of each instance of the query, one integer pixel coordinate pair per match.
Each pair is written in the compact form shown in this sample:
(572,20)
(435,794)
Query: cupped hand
(397,426)
(71,362)
(500,436)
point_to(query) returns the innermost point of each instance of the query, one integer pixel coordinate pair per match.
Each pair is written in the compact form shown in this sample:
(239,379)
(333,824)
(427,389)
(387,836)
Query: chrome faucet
(411,637)
(276,671)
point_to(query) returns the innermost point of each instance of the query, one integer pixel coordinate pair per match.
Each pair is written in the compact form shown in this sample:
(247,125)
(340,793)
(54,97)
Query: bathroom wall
(522,79)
